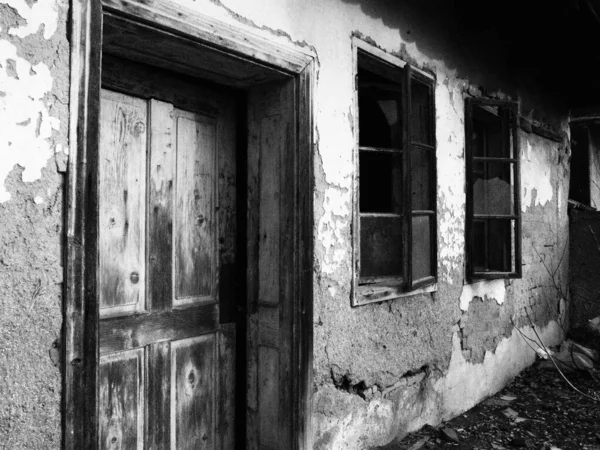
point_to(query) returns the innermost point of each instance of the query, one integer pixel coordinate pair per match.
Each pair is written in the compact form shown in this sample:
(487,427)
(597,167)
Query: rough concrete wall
(34,56)
(383,369)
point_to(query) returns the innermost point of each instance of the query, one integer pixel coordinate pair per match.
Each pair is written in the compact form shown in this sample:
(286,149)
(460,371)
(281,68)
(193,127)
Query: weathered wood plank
(227,380)
(288,257)
(193,392)
(158,403)
(122,189)
(269,396)
(147,44)
(194,224)
(268,326)
(121,419)
(271,143)
(215,33)
(122,333)
(252,251)
(80,392)
(303,296)
(160,205)
(149,82)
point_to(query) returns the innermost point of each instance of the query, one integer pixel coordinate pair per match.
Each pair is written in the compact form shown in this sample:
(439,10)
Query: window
(493,200)
(396,240)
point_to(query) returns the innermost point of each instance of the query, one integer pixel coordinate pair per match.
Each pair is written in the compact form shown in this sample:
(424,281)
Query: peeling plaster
(41,13)
(466,384)
(26,123)
(494,289)
(535,176)
(346,421)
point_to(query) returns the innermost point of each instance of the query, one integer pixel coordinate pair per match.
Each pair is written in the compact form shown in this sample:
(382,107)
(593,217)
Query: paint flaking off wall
(42,12)
(483,289)
(26,124)
(535,176)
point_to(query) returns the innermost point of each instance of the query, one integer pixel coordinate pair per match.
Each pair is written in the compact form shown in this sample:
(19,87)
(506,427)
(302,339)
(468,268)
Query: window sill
(380,293)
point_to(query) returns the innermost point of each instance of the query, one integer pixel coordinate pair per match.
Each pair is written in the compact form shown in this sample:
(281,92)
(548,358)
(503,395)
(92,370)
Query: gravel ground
(537,410)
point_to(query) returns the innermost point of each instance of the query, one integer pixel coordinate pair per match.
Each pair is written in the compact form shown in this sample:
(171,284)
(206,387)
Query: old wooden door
(167,232)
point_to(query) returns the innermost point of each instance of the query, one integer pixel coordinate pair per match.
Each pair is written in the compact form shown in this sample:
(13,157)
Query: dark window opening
(397,238)
(579,185)
(493,212)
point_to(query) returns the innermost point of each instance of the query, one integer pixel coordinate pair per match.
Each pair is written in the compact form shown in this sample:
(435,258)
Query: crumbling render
(344,383)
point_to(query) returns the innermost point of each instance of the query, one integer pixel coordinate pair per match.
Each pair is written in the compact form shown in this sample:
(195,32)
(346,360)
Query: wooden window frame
(81,312)
(513,128)
(388,288)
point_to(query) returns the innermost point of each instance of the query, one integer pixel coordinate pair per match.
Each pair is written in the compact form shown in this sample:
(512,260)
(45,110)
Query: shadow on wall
(497,45)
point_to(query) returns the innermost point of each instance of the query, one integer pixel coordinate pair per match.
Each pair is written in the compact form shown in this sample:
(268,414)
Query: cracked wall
(34,56)
(380,370)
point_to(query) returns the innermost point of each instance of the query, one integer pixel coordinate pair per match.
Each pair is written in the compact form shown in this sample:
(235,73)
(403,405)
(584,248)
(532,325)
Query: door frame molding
(80,330)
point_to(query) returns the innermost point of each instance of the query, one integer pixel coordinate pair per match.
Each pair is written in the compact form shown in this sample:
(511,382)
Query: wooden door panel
(167,203)
(121,230)
(121,400)
(161,173)
(270,260)
(271,145)
(193,392)
(158,396)
(130,332)
(226,379)
(195,217)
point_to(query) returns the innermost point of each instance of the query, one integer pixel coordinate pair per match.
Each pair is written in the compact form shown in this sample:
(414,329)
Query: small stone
(38,200)
(510,413)
(518,442)
(449,434)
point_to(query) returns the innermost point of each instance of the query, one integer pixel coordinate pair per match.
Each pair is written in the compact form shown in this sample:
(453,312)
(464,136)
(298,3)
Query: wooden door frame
(81,313)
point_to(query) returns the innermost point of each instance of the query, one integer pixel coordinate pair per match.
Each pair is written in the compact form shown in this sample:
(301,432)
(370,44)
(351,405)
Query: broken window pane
(379,117)
(492,188)
(380,187)
(491,133)
(421,179)
(380,246)
(421,121)
(493,191)
(492,245)
(421,247)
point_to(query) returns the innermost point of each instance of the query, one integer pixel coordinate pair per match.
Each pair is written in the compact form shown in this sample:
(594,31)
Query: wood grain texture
(80,364)
(194,227)
(304,245)
(193,393)
(148,82)
(147,44)
(121,419)
(161,172)
(272,240)
(158,404)
(226,38)
(227,392)
(139,330)
(289,256)
(271,143)
(122,174)
(269,396)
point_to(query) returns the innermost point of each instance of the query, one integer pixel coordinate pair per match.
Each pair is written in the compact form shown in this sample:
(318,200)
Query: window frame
(513,128)
(388,288)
